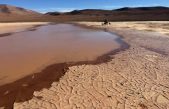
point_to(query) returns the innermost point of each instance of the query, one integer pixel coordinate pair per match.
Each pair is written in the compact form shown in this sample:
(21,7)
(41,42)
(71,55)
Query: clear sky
(68,5)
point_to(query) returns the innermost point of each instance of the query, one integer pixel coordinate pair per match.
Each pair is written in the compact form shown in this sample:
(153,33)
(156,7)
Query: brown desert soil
(137,78)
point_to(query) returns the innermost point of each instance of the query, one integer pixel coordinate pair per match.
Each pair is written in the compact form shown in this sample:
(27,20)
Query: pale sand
(156,26)
(17,27)
(137,78)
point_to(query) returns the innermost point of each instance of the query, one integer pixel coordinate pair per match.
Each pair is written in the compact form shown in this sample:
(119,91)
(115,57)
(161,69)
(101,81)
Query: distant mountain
(157,13)
(89,12)
(13,13)
(7,9)
(136,10)
(156,8)
(85,12)
(53,13)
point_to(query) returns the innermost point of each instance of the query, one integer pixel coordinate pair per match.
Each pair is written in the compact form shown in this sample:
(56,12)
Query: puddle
(27,52)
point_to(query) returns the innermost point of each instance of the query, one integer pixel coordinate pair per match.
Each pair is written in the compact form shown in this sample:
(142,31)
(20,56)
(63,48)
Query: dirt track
(137,78)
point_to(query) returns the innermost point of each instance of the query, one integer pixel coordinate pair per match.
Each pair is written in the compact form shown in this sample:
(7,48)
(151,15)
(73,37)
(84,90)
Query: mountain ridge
(153,8)
(10,13)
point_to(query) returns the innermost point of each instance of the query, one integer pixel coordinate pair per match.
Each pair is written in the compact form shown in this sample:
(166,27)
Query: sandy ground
(137,78)
(155,26)
(17,27)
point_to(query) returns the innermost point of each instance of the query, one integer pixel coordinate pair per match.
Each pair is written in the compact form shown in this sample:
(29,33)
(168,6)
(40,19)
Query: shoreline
(28,27)
(23,89)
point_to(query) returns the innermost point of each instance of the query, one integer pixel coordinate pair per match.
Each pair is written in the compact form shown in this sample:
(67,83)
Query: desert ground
(137,78)
(155,26)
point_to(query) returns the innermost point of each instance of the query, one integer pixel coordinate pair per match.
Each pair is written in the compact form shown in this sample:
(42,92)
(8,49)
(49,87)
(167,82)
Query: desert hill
(7,9)
(13,13)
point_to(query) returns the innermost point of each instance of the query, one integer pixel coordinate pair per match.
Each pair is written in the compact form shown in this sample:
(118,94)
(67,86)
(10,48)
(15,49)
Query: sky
(69,5)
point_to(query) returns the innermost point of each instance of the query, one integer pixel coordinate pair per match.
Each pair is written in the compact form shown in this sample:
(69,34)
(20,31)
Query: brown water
(28,52)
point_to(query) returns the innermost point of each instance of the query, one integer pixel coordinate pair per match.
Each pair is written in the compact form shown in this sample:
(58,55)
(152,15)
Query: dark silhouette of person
(106,22)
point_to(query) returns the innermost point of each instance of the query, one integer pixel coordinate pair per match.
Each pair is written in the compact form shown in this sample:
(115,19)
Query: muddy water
(28,52)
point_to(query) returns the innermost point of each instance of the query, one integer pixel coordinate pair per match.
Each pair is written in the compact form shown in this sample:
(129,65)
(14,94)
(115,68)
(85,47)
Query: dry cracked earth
(137,78)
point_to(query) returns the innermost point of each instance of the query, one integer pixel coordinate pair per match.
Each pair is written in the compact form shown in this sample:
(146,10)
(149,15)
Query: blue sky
(68,5)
